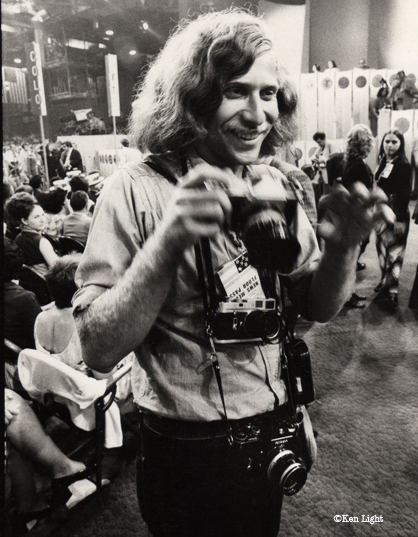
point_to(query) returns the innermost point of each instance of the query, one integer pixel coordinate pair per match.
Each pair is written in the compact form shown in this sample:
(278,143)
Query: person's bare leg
(27,436)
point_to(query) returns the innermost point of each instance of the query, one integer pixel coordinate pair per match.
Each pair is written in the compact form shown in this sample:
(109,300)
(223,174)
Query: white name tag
(240,279)
(387,171)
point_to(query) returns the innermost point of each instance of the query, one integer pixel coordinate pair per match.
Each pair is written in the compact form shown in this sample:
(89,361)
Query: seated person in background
(78,183)
(26,444)
(77,224)
(21,308)
(37,251)
(55,331)
(55,206)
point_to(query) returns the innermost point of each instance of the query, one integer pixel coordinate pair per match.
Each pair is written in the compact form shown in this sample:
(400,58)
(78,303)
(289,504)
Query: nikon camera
(284,457)
(249,320)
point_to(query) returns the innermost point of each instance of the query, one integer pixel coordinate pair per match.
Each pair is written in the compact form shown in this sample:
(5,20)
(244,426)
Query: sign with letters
(35,79)
(112,84)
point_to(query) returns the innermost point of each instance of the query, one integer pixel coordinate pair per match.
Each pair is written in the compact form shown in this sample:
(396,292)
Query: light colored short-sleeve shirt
(179,381)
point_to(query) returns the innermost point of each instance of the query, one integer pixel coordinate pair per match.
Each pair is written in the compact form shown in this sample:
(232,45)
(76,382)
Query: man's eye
(268,94)
(233,92)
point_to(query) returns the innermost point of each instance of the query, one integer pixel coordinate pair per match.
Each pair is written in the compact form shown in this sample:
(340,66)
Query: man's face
(321,142)
(246,115)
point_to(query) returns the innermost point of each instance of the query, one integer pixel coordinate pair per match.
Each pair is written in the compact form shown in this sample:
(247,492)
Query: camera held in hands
(260,213)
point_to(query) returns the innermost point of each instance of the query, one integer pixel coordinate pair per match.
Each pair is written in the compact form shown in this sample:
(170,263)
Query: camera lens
(287,472)
(265,324)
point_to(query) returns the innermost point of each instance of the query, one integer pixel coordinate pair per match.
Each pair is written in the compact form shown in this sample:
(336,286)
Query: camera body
(262,221)
(283,455)
(297,364)
(247,320)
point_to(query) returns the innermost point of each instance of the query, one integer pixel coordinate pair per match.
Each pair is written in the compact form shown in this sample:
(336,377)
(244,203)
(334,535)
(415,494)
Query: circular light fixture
(132,52)
(109,32)
(17,60)
(145,25)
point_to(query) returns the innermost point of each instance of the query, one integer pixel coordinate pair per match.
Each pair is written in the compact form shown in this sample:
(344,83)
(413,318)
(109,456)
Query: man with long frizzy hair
(211,107)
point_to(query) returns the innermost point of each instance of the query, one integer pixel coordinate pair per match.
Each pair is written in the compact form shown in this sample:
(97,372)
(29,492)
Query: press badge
(387,171)
(240,279)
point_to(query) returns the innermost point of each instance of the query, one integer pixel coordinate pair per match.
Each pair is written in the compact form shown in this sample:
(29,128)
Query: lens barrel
(287,472)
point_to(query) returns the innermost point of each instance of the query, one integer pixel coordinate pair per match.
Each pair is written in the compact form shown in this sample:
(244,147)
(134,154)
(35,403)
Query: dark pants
(202,488)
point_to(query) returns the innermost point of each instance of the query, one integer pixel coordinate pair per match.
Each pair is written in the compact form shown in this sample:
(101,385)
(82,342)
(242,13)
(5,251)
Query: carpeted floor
(365,366)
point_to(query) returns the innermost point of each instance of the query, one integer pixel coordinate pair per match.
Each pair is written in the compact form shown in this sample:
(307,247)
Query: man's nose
(254,111)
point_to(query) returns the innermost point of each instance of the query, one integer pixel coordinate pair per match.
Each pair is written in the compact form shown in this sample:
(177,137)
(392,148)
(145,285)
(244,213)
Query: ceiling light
(106,39)
(109,32)
(102,45)
(17,60)
(145,25)
(132,52)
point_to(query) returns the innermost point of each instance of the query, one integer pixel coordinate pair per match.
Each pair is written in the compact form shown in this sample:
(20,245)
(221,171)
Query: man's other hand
(347,218)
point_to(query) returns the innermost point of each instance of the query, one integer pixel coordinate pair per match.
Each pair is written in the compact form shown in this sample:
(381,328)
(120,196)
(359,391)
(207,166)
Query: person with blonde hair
(358,144)
(212,104)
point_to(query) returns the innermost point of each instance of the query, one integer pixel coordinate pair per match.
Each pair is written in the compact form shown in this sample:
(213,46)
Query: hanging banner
(112,84)
(35,79)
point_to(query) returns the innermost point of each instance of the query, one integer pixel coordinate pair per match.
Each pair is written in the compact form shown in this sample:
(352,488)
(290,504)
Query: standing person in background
(393,176)
(376,104)
(404,94)
(319,161)
(359,143)
(214,102)
(71,158)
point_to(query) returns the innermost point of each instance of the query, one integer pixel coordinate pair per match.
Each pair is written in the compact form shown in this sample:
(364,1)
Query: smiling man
(213,104)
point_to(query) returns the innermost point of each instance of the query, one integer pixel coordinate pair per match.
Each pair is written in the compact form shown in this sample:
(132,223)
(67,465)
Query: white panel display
(361,96)
(343,102)
(308,105)
(403,120)
(326,103)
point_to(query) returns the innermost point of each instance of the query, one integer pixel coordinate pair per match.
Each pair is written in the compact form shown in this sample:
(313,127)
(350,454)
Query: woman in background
(393,176)
(359,143)
(37,251)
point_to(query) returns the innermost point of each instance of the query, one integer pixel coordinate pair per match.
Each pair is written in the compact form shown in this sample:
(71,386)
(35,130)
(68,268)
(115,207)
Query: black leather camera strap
(204,265)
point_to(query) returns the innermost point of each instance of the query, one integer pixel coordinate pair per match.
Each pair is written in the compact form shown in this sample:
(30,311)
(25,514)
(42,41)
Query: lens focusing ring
(290,474)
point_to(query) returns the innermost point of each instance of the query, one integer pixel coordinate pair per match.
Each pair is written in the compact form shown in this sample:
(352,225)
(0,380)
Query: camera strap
(204,264)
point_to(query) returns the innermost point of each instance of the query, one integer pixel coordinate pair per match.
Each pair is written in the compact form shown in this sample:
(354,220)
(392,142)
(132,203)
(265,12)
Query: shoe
(354,303)
(358,297)
(360,266)
(61,492)
(393,300)
(378,287)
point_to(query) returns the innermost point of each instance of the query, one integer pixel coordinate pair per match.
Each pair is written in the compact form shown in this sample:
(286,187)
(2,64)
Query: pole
(41,122)
(115,140)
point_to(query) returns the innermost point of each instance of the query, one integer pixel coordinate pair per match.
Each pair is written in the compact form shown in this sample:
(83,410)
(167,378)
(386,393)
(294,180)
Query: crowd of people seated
(41,226)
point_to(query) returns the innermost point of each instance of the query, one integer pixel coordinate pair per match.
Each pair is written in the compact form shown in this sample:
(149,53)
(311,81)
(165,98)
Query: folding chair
(78,400)
(32,281)
(70,245)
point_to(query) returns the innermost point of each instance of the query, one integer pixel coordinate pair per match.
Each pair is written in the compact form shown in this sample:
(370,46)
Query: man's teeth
(245,136)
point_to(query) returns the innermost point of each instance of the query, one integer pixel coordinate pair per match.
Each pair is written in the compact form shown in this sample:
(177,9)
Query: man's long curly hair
(359,142)
(183,87)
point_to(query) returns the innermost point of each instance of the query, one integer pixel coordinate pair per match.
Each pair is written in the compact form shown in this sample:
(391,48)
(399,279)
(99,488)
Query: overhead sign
(112,84)
(35,79)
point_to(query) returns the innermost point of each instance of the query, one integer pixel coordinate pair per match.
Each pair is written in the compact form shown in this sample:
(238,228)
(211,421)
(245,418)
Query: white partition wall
(403,120)
(326,103)
(308,105)
(376,78)
(310,148)
(361,97)
(301,153)
(343,102)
